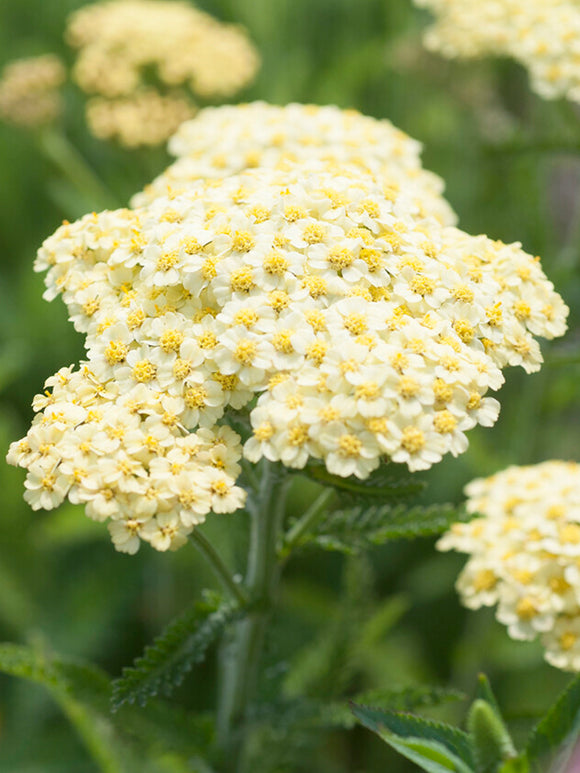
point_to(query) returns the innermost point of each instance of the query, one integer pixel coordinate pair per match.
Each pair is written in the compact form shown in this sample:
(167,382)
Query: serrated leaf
(432,756)
(359,528)
(560,724)
(340,714)
(403,726)
(386,483)
(184,642)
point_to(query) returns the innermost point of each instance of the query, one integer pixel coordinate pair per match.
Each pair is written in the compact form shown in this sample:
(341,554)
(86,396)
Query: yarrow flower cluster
(29,91)
(314,300)
(122,43)
(542,36)
(222,141)
(127,457)
(525,554)
(144,118)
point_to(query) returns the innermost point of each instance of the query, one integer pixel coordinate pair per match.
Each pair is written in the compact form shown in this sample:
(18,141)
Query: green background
(512,167)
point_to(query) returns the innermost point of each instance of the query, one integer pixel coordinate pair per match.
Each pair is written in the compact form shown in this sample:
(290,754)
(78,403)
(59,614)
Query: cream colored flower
(524,552)
(347,326)
(226,140)
(542,36)
(122,42)
(29,91)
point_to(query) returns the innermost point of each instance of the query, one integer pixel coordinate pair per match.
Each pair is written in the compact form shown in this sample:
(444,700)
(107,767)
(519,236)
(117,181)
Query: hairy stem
(210,553)
(242,654)
(302,525)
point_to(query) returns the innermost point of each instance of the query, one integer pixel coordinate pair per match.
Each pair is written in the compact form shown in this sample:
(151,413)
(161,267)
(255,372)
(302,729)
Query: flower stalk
(242,653)
(212,556)
(62,153)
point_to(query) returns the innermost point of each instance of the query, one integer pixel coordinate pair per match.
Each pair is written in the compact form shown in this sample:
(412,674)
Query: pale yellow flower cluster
(144,118)
(29,91)
(315,299)
(543,36)
(222,141)
(525,554)
(126,46)
(128,458)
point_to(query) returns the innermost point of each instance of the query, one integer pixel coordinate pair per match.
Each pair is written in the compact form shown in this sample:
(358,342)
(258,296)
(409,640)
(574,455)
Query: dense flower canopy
(525,554)
(30,90)
(542,36)
(313,299)
(221,141)
(137,56)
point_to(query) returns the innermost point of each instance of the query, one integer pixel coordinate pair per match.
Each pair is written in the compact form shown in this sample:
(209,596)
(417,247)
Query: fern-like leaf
(184,642)
(360,527)
(389,483)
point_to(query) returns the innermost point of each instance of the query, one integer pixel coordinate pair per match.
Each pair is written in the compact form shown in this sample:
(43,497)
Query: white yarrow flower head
(540,35)
(524,554)
(226,140)
(345,326)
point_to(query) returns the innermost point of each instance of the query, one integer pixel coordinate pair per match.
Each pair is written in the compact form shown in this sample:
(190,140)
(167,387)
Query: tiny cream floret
(221,141)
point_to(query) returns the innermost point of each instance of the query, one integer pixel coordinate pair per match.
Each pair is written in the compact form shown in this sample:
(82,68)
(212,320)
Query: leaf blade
(165,663)
(404,726)
(559,725)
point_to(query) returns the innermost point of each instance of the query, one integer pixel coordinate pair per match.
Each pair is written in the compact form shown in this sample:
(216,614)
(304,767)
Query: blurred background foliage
(512,167)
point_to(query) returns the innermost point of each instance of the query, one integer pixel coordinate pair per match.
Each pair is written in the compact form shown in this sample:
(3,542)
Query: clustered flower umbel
(315,299)
(525,554)
(29,91)
(543,36)
(122,42)
(222,141)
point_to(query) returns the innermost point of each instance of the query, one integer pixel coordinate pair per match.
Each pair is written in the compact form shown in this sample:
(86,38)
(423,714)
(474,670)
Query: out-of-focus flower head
(144,118)
(221,141)
(29,91)
(543,36)
(525,554)
(154,54)
(315,300)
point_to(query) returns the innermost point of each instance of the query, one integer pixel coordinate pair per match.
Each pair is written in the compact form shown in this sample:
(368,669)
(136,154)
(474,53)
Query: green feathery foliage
(184,642)
(387,483)
(360,527)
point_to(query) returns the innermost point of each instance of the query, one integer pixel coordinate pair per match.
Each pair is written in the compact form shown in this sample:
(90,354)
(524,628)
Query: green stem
(63,154)
(222,571)
(302,525)
(242,653)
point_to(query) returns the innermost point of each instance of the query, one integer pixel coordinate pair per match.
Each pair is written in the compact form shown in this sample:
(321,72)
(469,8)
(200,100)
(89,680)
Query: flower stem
(241,655)
(62,153)
(316,509)
(210,553)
